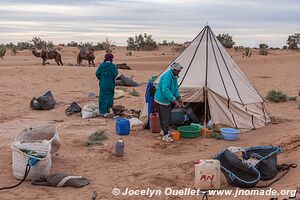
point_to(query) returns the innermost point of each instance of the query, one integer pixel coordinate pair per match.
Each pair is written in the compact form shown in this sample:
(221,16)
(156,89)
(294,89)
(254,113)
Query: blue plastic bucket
(122,126)
(230,133)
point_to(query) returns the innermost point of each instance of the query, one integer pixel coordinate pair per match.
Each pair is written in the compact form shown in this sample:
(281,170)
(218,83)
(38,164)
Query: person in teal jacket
(167,92)
(106,74)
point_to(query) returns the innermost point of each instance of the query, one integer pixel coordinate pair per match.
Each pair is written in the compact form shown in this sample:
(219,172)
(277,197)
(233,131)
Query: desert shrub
(134,93)
(142,42)
(99,46)
(2,51)
(129,53)
(39,43)
(263,46)
(173,43)
(178,48)
(239,48)
(86,45)
(10,45)
(236,48)
(292,98)
(277,96)
(50,45)
(97,138)
(72,44)
(14,50)
(274,48)
(263,49)
(24,45)
(247,52)
(263,52)
(108,46)
(216,135)
(226,40)
(164,43)
(293,41)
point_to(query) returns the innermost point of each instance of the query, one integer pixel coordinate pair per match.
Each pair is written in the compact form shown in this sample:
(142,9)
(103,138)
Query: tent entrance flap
(190,94)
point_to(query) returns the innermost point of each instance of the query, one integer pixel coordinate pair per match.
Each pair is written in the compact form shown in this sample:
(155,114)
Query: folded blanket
(61,180)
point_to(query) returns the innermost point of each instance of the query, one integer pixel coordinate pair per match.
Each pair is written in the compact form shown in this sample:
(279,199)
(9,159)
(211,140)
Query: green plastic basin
(189,131)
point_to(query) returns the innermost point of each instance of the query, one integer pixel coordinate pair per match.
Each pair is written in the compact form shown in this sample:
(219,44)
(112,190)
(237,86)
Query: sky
(250,22)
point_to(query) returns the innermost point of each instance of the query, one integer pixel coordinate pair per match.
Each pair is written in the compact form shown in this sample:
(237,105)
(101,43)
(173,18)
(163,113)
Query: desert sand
(148,162)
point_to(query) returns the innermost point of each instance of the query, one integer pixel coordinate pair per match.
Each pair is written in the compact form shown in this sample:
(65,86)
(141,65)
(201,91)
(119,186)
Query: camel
(86,55)
(48,54)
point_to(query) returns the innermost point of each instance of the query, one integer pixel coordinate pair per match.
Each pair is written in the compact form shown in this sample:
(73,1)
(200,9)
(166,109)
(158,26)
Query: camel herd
(54,54)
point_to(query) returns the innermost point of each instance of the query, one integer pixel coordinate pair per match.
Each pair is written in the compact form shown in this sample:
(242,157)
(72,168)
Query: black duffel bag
(44,102)
(267,156)
(237,173)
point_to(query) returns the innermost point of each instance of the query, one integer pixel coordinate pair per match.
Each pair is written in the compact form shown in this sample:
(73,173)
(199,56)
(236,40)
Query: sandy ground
(148,162)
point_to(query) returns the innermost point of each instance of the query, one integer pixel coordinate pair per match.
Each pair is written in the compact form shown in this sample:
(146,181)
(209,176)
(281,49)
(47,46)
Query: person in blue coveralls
(106,74)
(167,92)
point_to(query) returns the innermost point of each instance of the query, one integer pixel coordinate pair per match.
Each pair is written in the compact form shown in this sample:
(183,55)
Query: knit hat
(108,57)
(176,66)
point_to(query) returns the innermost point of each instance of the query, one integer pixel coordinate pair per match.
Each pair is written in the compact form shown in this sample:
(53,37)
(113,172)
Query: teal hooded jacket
(167,90)
(106,74)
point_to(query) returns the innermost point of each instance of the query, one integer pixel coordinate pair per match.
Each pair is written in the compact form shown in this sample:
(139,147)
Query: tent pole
(205,106)
(180,54)
(206,73)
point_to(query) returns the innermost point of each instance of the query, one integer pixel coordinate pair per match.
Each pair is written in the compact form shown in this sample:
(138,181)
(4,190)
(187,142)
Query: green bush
(263,52)
(2,51)
(178,48)
(108,46)
(24,45)
(247,52)
(142,42)
(263,46)
(293,41)
(50,45)
(97,138)
(263,49)
(86,45)
(134,93)
(226,40)
(72,44)
(14,50)
(236,48)
(39,43)
(277,96)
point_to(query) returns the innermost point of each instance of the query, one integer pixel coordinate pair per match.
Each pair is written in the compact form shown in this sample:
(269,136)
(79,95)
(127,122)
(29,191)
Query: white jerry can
(207,174)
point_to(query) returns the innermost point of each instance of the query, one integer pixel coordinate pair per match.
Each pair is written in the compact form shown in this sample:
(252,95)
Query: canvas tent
(210,75)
